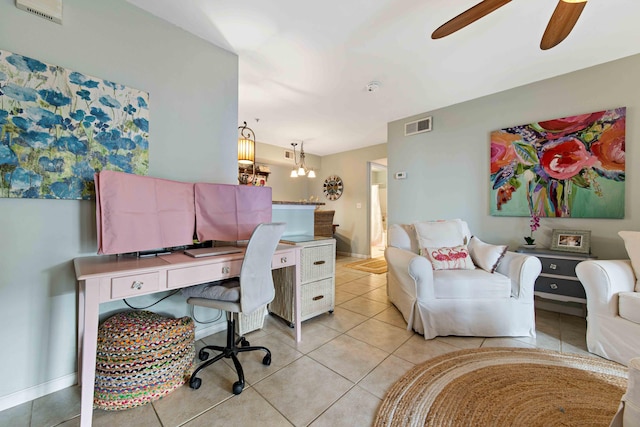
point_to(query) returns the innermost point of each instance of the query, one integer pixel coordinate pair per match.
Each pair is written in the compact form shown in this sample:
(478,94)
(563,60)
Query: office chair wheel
(195,383)
(244,342)
(266,360)
(237,387)
(203,354)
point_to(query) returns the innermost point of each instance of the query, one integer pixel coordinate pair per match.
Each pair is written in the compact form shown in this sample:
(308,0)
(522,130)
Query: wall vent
(50,10)
(418,126)
(288,154)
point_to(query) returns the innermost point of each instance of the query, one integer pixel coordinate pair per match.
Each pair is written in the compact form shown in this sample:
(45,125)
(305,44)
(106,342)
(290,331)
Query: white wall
(448,168)
(193,90)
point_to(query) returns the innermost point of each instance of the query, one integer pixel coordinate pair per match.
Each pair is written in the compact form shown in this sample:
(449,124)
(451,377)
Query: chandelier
(246,154)
(300,169)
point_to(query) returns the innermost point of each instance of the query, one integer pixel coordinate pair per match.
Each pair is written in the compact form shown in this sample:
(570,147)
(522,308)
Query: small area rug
(370,265)
(506,387)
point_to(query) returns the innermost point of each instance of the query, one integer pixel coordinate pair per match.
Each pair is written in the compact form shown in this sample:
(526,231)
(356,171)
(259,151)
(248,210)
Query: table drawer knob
(553,286)
(553,266)
(137,285)
(226,270)
(283,260)
(319,262)
(318,298)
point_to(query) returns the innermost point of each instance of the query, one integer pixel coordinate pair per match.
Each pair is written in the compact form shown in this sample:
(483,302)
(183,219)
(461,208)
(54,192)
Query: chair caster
(330,311)
(237,387)
(244,342)
(195,383)
(203,355)
(266,360)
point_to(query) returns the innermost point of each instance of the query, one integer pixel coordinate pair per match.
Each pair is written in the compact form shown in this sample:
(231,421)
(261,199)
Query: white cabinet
(317,277)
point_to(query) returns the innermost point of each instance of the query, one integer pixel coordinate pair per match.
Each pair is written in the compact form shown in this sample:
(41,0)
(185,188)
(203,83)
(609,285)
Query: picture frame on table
(571,241)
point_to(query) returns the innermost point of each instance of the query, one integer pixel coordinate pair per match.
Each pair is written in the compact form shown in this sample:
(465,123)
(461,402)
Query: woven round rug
(506,387)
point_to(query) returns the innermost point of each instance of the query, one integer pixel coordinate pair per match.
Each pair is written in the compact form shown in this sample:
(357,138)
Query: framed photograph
(571,241)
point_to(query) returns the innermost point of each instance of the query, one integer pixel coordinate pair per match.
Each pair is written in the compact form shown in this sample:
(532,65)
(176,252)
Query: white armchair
(613,309)
(471,302)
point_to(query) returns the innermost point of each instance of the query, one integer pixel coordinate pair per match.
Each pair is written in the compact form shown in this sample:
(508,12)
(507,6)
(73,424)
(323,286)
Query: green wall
(193,89)
(448,168)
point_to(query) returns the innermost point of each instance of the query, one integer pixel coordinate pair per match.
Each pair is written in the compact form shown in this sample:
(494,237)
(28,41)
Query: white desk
(108,278)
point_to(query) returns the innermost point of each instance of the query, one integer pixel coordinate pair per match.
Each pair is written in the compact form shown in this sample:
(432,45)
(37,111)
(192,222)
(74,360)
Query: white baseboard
(32,393)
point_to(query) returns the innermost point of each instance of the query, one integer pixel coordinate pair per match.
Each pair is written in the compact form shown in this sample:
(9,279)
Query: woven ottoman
(142,356)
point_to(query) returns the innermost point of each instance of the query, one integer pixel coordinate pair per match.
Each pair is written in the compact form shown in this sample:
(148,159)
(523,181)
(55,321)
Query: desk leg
(88,315)
(297,307)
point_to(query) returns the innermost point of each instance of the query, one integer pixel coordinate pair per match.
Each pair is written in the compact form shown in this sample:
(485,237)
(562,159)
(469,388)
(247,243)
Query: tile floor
(336,376)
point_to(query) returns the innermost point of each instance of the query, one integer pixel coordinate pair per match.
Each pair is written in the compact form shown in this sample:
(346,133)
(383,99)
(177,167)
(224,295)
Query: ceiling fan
(560,25)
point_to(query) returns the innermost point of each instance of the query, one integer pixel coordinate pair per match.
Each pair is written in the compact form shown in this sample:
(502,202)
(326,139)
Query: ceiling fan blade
(467,17)
(561,23)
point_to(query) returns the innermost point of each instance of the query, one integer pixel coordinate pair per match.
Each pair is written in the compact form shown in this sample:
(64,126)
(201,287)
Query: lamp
(246,153)
(300,168)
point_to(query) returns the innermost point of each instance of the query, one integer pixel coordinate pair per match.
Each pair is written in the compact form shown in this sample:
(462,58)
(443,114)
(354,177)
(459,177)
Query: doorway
(377,207)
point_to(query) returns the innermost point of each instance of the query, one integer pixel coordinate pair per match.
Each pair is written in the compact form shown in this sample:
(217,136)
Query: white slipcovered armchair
(464,302)
(613,309)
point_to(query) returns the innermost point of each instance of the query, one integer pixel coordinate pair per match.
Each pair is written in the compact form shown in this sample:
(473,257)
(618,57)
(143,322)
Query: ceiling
(304,66)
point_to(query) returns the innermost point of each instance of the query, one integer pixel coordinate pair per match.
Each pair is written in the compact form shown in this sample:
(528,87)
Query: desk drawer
(203,273)
(317,297)
(551,285)
(561,267)
(318,262)
(138,284)
(283,260)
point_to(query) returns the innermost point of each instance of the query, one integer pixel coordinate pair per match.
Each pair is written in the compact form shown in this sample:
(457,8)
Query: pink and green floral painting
(59,127)
(569,167)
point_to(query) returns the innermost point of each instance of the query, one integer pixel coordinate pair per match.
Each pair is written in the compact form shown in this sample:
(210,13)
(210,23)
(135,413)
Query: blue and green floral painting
(59,127)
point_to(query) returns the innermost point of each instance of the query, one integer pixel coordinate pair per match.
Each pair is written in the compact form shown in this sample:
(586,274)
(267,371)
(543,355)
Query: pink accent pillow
(449,258)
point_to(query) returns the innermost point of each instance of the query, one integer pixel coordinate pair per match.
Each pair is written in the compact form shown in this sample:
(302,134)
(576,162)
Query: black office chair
(255,286)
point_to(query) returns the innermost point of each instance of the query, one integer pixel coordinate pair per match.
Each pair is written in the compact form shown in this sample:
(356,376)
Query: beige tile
(303,390)
(354,288)
(347,275)
(282,354)
(364,306)
(56,407)
(245,409)
(506,342)
(392,316)
(417,349)
(18,416)
(373,280)
(343,296)
(351,358)
(142,416)
(543,340)
(378,294)
(463,342)
(378,381)
(342,320)
(185,403)
(379,334)
(356,408)
(314,334)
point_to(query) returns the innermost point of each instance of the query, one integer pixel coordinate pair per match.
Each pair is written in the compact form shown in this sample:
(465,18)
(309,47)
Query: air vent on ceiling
(418,126)
(288,154)
(50,10)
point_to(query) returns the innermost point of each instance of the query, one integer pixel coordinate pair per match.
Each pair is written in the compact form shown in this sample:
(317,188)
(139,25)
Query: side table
(558,281)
